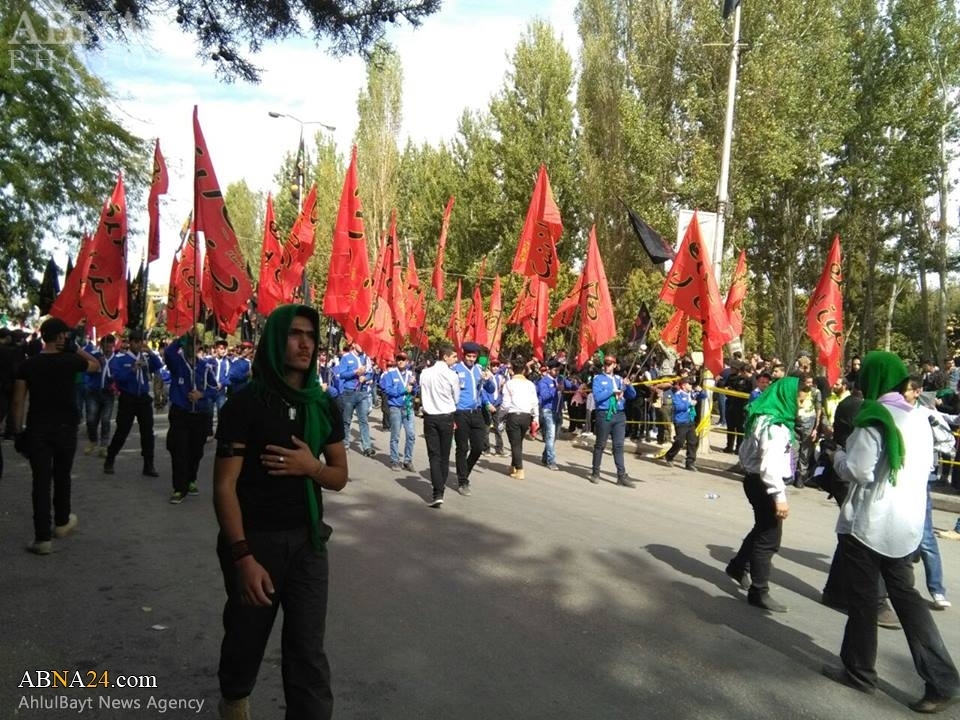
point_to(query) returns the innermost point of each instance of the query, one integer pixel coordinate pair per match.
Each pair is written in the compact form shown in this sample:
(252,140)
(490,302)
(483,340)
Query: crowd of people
(874,440)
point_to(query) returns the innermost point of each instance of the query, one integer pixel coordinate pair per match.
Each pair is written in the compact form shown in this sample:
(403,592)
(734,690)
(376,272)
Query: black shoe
(765,602)
(625,481)
(741,577)
(930,704)
(436,502)
(150,471)
(841,676)
(595,478)
(798,484)
(108,467)
(408,467)
(691,468)
(369,452)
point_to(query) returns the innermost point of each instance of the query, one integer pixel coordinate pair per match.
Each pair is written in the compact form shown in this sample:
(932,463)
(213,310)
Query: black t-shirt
(269,502)
(52,383)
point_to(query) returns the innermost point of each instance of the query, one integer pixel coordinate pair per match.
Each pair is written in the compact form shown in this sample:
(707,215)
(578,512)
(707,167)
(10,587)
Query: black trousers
(438,434)
(763,540)
(863,567)
(471,437)
(300,580)
(128,408)
(51,452)
(186,438)
(736,416)
(685,433)
(517,426)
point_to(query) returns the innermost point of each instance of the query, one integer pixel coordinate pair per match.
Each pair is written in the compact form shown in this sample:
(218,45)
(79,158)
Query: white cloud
(457,59)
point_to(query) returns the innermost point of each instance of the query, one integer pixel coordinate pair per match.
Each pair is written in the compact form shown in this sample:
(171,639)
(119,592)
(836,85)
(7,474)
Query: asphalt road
(543,598)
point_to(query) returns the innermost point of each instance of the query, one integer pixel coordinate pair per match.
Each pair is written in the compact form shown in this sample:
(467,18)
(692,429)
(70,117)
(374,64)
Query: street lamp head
(273,114)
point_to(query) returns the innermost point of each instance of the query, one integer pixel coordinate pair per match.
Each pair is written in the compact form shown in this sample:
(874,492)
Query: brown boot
(234,709)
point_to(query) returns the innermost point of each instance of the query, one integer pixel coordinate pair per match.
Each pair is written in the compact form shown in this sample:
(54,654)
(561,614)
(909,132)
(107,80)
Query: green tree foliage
(60,149)
(379,108)
(227,30)
(247,210)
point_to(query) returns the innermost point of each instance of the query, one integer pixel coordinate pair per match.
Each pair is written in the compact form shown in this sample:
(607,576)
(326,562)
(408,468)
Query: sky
(456,59)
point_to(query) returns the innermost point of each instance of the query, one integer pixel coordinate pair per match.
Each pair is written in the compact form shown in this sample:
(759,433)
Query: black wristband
(239,550)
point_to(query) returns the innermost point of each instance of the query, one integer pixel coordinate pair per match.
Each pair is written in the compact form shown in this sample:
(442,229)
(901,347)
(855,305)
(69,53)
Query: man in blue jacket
(131,371)
(356,377)
(550,397)
(470,432)
(399,385)
(193,395)
(610,394)
(685,400)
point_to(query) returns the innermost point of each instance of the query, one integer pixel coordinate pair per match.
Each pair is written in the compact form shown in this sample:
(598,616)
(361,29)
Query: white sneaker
(940,601)
(63,530)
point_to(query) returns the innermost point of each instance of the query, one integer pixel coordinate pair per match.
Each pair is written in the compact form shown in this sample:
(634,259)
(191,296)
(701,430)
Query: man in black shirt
(49,436)
(267,493)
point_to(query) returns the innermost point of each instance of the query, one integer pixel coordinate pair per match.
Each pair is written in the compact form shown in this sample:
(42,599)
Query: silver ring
(280,459)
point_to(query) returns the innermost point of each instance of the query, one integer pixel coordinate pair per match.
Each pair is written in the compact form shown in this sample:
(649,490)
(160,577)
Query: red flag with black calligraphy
(736,295)
(299,246)
(396,285)
(537,248)
(231,287)
(438,271)
(825,315)
(416,305)
(348,286)
(495,318)
(68,306)
(182,290)
(270,286)
(158,186)
(455,326)
(104,298)
(532,313)
(676,332)
(690,286)
(567,310)
(597,324)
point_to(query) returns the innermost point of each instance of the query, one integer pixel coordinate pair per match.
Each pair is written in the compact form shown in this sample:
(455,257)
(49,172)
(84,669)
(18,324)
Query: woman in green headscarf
(267,494)
(765,455)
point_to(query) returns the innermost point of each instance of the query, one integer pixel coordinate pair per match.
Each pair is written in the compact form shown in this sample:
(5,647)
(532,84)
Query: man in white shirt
(439,393)
(886,462)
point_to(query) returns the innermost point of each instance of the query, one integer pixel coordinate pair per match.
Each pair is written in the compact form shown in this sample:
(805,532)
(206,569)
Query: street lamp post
(301,174)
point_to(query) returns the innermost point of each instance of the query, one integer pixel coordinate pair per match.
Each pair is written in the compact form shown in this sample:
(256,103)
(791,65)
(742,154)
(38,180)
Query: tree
(378,155)
(247,210)
(55,174)
(227,29)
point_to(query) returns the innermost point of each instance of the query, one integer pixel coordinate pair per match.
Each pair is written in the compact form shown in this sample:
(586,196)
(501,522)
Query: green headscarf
(882,372)
(778,402)
(310,401)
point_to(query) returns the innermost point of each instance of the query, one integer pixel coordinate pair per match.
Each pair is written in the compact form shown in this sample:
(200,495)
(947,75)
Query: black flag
(641,326)
(650,240)
(728,7)
(49,287)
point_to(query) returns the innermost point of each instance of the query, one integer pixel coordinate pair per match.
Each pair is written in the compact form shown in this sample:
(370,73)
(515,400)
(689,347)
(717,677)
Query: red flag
(183,282)
(414,300)
(395,291)
(270,286)
(104,298)
(299,246)
(597,324)
(736,294)
(690,286)
(532,313)
(455,326)
(676,332)
(68,306)
(378,339)
(231,287)
(495,318)
(158,187)
(568,306)
(348,287)
(438,275)
(825,315)
(537,249)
